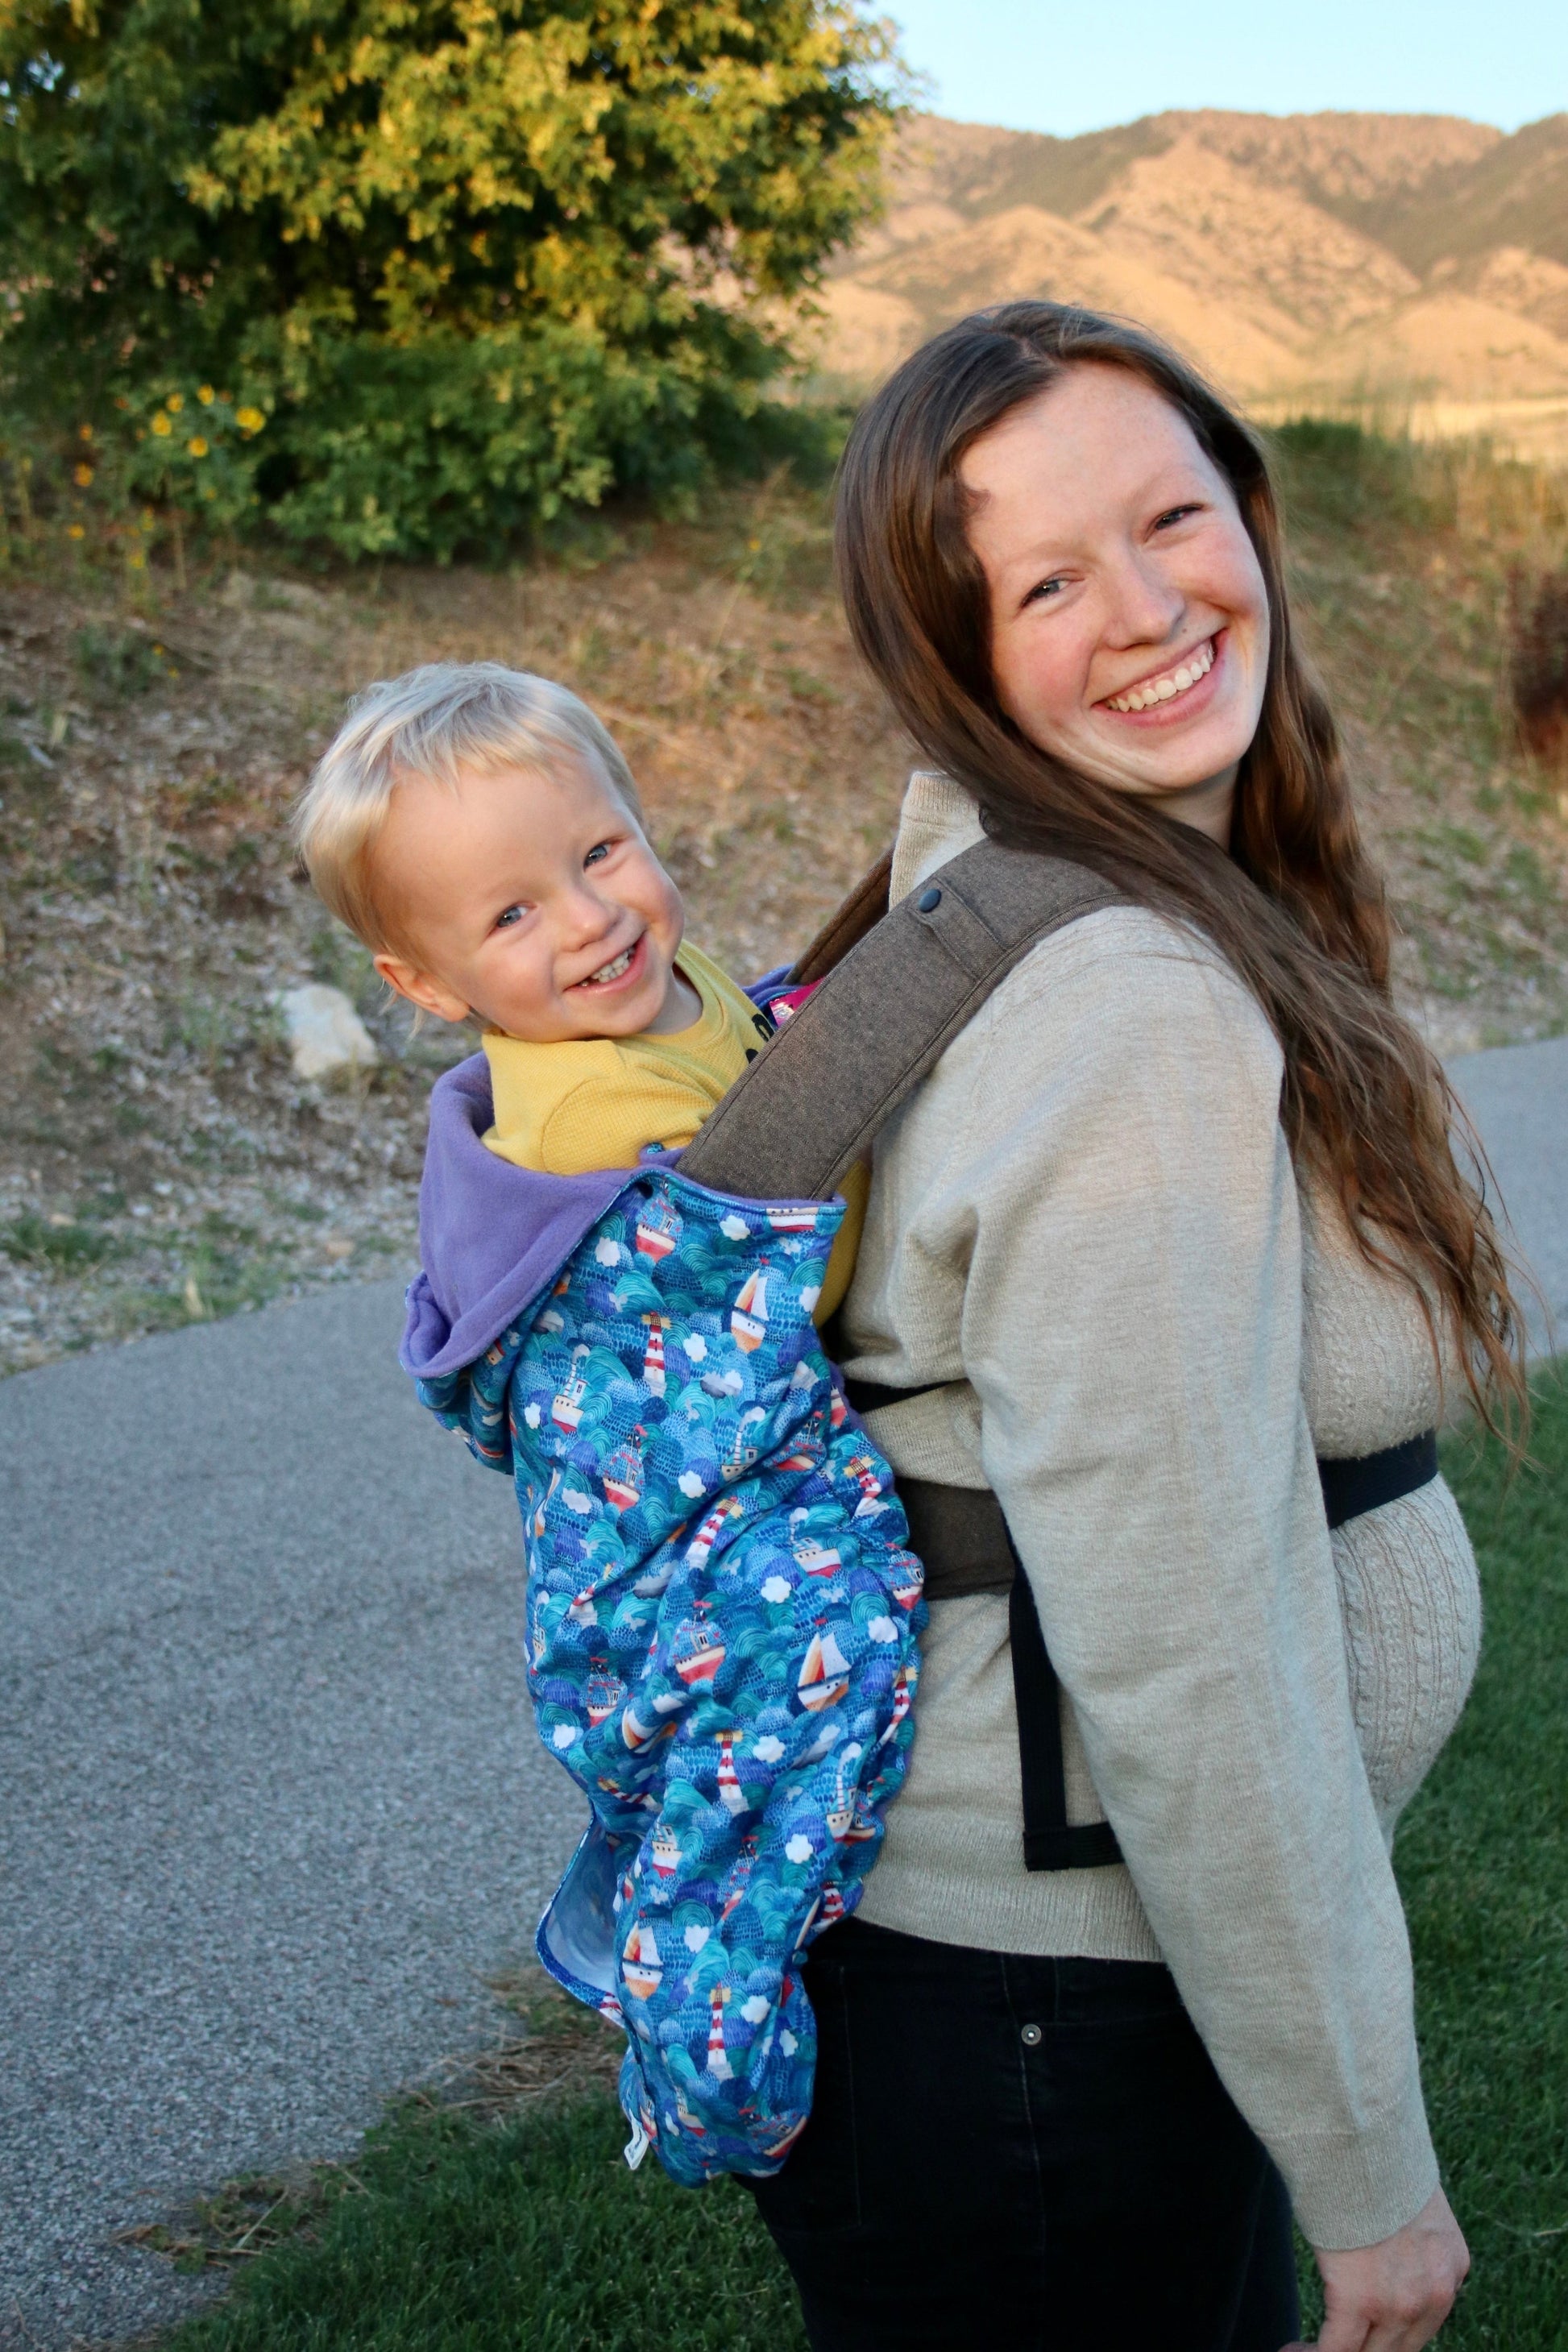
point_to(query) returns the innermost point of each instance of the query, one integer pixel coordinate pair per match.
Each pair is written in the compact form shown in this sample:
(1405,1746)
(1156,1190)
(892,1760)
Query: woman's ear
(421,988)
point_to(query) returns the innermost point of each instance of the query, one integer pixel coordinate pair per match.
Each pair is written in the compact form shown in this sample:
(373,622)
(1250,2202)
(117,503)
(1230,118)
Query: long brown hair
(1297,908)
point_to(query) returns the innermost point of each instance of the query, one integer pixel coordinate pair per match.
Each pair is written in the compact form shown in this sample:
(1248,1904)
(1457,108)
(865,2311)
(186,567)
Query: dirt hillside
(161,1161)
(1357,262)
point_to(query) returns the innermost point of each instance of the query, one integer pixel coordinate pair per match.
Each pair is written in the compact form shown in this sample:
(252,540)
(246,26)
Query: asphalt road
(272,1800)
(272,1806)
(1518,1098)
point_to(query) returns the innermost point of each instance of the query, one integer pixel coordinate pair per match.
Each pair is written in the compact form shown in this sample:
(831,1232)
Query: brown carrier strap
(898,984)
(806,1110)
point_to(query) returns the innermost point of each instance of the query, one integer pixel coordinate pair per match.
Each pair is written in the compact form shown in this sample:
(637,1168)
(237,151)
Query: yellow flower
(196,445)
(206,396)
(83,476)
(174,403)
(75,531)
(86,432)
(249,420)
(138,561)
(162,427)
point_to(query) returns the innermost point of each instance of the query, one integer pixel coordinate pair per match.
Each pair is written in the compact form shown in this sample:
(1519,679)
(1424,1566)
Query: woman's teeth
(1165,688)
(612,970)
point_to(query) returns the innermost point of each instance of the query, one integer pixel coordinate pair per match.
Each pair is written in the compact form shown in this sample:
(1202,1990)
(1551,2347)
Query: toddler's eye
(505,920)
(601,849)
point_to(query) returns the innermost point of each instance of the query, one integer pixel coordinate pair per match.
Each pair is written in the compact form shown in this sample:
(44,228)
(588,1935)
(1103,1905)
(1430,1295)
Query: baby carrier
(722,1601)
(900,983)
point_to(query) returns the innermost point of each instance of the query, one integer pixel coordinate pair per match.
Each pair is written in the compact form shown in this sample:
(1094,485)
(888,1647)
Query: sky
(1067,66)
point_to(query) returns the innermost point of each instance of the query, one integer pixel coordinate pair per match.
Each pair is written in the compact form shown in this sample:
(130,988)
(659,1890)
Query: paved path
(272,1804)
(1518,1098)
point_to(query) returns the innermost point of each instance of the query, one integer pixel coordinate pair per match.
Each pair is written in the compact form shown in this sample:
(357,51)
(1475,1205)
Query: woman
(1173,1215)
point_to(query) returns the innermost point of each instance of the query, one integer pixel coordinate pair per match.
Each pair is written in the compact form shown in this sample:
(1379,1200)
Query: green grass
(65,1242)
(1483,1863)
(531,2234)
(454,2236)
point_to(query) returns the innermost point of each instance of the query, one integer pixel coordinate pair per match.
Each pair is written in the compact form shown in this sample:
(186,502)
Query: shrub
(406,277)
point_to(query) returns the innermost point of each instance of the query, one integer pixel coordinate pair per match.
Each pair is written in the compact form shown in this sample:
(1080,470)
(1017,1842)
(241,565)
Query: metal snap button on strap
(928,901)
(1031,2037)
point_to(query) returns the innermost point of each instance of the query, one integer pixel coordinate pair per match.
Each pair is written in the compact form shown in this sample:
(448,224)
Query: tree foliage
(465,259)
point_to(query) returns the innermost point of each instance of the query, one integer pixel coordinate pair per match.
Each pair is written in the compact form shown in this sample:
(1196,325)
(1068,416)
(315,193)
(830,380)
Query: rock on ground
(326,1036)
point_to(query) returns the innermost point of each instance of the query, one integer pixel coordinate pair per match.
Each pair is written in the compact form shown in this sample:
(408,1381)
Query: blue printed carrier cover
(721,1623)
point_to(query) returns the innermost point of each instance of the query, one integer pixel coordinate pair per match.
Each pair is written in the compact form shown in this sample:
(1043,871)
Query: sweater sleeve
(1132,1329)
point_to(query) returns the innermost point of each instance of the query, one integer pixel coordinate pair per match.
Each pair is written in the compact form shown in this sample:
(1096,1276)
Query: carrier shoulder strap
(900,985)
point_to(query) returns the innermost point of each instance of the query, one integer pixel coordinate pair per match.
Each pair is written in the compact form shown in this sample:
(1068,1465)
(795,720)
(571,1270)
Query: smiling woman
(1175,1214)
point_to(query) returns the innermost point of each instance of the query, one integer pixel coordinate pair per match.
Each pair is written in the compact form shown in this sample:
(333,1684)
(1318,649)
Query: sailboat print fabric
(721,1623)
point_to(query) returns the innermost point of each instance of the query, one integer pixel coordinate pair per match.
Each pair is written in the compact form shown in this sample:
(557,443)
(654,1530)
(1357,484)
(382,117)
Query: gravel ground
(274,1804)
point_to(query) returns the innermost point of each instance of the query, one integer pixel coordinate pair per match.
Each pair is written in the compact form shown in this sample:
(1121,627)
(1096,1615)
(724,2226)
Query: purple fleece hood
(491,1235)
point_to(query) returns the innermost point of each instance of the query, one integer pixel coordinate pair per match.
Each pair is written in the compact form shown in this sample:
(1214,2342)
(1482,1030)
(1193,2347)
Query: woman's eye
(1175,514)
(1046,589)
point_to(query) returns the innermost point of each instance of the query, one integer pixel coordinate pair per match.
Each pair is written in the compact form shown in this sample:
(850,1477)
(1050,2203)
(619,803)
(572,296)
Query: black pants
(1024,2155)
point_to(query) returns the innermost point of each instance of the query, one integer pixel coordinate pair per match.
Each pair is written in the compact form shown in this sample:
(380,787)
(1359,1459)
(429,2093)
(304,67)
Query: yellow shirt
(583,1103)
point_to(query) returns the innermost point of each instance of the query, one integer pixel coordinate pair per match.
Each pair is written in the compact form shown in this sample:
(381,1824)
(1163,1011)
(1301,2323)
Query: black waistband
(1352,1487)
(1361,1483)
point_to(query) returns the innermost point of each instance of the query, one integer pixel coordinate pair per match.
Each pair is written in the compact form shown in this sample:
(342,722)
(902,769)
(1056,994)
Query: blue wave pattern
(721,1626)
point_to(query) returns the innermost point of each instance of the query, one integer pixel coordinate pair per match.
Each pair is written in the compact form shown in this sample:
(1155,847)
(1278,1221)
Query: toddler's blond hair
(429,724)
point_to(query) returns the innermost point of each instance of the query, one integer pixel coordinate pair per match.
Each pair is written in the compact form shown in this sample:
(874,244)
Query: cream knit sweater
(1086,1218)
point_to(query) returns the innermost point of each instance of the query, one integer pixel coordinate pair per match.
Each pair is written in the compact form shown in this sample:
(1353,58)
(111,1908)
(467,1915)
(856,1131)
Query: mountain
(1339,260)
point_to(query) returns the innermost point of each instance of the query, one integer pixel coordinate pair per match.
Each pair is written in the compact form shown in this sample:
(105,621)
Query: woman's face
(1129,617)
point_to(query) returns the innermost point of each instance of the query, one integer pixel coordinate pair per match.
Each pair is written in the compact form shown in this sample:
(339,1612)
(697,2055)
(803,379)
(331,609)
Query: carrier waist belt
(961,1534)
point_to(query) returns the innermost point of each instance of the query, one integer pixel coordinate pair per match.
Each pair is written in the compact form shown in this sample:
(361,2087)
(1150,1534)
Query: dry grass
(1403,559)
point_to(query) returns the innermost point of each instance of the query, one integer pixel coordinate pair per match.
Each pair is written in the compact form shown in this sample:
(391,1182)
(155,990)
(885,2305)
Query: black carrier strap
(1352,1486)
(961,1534)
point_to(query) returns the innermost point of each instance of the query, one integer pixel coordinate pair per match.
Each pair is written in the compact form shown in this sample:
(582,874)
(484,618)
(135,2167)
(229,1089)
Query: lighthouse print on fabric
(721,1623)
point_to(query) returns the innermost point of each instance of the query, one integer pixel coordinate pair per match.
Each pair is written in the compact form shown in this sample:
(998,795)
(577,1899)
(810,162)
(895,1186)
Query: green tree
(453,262)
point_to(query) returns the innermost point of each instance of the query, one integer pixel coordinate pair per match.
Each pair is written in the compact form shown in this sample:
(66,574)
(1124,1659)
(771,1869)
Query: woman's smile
(1157,698)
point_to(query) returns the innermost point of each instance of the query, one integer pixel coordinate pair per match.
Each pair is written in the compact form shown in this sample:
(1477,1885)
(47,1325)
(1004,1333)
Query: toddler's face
(533,902)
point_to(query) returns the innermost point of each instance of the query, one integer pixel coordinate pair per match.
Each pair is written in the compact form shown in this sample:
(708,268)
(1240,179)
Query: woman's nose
(1143,604)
